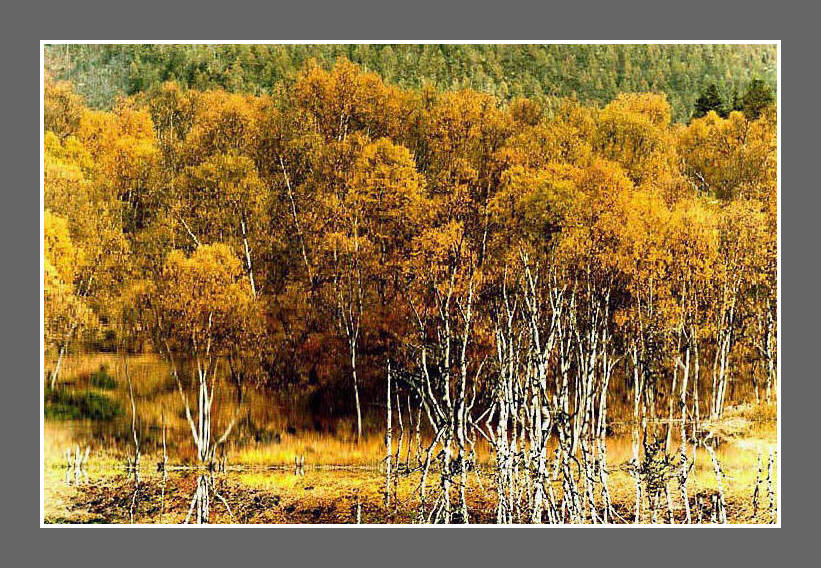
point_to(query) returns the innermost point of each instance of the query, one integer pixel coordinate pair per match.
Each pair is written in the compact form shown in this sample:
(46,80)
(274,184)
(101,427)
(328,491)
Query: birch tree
(204,305)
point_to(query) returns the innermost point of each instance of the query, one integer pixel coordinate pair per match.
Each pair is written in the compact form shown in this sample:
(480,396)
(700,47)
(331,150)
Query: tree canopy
(334,219)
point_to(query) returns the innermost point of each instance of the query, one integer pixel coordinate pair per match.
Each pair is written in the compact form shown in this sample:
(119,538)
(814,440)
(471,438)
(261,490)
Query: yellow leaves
(125,158)
(223,122)
(209,267)
(62,108)
(206,298)
(693,238)
(731,157)
(462,131)
(66,171)
(533,203)
(633,131)
(437,249)
(744,239)
(466,124)
(73,189)
(64,306)
(346,99)
(65,259)
(567,137)
(100,131)
(383,166)
(615,230)
(337,180)
(651,106)
(69,153)
(172,111)
(226,183)
(387,193)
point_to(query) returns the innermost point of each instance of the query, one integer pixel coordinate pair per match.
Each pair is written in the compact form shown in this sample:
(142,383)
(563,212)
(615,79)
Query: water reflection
(318,494)
(75,465)
(199,511)
(284,480)
(201,501)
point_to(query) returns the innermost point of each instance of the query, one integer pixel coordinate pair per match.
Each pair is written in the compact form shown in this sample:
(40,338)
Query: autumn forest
(343,298)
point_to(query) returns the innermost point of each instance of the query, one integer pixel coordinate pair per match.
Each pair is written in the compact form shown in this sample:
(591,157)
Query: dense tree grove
(594,74)
(505,261)
(752,103)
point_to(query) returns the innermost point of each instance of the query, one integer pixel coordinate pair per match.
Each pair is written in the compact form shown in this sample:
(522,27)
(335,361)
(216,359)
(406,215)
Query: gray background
(25,24)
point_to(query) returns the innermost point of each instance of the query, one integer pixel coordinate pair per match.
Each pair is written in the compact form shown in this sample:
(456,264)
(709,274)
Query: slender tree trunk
(388,443)
(248,256)
(133,415)
(721,504)
(399,446)
(756,492)
(296,223)
(770,490)
(55,373)
(637,397)
(446,473)
(356,394)
(683,434)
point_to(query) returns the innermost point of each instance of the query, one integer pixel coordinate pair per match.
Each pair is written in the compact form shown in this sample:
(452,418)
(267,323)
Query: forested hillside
(595,74)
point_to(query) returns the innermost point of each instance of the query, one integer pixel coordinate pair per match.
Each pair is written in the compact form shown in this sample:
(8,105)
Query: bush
(102,380)
(73,405)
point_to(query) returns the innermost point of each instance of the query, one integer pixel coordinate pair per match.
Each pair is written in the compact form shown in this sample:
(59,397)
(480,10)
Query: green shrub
(102,380)
(73,405)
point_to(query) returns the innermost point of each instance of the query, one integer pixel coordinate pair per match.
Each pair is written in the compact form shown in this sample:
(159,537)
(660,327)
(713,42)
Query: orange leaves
(223,122)
(388,194)
(226,182)
(346,99)
(205,299)
(337,192)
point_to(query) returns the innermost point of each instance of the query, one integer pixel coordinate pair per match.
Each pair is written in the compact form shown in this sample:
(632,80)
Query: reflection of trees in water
(201,501)
(76,466)
(133,506)
(76,476)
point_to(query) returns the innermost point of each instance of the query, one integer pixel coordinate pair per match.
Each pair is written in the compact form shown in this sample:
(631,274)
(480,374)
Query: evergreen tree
(709,100)
(758,97)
